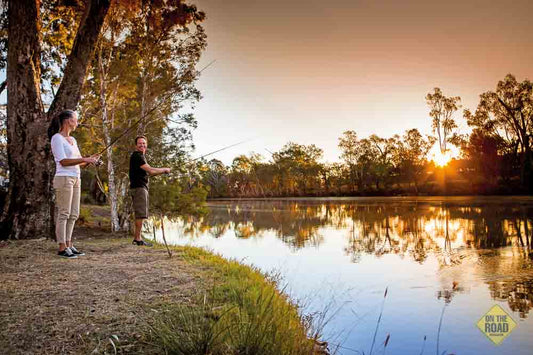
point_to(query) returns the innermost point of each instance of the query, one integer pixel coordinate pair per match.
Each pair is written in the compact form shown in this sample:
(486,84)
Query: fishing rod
(219,150)
(208,154)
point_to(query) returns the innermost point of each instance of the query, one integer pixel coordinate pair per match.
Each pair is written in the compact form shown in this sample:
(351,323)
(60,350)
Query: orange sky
(307,70)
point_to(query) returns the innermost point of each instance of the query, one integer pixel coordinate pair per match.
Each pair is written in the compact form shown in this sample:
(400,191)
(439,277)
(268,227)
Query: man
(139,172)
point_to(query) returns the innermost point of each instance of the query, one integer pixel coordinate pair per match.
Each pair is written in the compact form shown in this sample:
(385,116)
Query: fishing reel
(98,162)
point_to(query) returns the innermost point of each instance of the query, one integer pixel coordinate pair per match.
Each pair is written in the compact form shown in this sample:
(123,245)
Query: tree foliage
(443,123)
(507,113)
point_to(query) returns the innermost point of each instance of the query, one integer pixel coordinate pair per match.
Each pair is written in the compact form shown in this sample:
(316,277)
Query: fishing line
(216,151)
(219,150)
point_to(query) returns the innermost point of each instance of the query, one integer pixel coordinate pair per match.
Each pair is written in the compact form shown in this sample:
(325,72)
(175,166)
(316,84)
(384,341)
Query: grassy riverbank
(121,298)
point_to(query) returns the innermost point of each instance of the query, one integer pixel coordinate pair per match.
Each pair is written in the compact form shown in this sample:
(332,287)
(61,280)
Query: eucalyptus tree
(369,160)
(129,85)
(170,40)
(349,146)
(442,109)
(484,155)
(216,178)
(336,177)
(507,113)
(383,160)
(410,155)
(299,165)
(248,175)
(366,163)
(27,210)
(240,178)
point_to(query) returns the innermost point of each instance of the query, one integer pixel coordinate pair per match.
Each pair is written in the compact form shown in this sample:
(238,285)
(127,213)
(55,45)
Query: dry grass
(54,305)
(108,301)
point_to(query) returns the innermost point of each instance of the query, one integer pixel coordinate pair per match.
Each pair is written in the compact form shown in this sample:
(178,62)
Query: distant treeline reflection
(378,228)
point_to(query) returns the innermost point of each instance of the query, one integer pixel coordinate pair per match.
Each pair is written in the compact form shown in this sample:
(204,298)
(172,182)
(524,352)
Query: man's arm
(155,171)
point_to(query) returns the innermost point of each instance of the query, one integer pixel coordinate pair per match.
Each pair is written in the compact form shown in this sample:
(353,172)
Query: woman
(67,179)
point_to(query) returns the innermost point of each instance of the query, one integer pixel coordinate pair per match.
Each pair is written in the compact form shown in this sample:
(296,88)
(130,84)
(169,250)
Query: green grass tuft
(242,313)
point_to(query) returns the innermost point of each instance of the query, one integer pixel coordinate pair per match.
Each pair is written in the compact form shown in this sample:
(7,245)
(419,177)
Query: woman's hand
(92,159)
(97,157)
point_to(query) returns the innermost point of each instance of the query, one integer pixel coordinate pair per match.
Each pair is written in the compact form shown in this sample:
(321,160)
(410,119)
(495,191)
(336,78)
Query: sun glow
(441,159)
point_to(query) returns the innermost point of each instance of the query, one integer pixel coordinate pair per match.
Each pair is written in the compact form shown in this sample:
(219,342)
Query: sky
(306,71)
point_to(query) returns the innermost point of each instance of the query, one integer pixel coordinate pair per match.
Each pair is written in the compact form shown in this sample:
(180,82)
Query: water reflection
(401,228)
(466,236)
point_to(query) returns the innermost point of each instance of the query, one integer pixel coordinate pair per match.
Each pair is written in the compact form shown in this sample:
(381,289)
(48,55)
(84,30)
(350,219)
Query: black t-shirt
(138,177)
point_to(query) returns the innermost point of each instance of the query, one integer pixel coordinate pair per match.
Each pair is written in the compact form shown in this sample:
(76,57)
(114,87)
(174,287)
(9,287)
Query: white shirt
(62,149)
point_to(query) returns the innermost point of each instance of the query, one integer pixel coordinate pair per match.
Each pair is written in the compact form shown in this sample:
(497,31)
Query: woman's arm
(78,161)
(97,156)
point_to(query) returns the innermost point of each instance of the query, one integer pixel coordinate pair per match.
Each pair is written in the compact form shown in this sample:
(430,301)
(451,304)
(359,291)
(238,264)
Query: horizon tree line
(494,158)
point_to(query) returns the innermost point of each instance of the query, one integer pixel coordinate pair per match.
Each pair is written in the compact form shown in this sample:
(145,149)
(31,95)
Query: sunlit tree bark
(27,213)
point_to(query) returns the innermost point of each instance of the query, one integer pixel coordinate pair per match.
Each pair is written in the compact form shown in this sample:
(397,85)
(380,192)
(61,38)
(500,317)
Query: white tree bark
(113,200)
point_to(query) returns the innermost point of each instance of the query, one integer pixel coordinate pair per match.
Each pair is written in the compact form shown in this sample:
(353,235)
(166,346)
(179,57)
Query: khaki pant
(67,190)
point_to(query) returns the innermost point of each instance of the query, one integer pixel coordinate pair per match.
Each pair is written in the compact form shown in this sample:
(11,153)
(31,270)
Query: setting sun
(441,159)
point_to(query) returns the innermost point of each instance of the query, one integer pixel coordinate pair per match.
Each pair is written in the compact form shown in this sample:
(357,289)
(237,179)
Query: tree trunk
(526,169)
(69,92)
(113,200)
(27,212)
(125,214)
(27,209)
(144,104)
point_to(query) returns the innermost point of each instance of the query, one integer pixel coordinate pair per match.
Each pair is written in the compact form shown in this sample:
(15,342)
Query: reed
(379,321)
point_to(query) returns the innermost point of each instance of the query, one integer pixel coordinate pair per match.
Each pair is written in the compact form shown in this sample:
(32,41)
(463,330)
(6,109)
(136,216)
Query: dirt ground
(96,303)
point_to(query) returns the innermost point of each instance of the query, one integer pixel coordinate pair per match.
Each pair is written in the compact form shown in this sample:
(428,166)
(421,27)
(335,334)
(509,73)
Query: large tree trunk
(68,95)
(27,212)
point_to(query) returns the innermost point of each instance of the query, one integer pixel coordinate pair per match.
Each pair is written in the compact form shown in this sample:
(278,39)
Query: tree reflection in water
(453,231)
(518,294)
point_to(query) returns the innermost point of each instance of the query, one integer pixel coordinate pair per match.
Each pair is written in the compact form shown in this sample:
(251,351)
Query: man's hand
(166,170)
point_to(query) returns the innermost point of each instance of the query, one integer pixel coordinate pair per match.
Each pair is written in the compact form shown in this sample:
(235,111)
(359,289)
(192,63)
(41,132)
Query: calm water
(442,260)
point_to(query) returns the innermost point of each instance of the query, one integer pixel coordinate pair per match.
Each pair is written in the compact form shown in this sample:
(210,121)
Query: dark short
(139,196)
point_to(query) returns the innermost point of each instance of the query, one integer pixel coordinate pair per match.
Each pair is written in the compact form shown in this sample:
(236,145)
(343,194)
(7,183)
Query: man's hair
(139,137)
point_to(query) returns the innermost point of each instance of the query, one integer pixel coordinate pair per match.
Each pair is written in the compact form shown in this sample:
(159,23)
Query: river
(421,275)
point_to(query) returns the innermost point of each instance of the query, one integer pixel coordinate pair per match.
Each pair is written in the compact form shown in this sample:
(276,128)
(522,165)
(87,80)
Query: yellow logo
(496,324)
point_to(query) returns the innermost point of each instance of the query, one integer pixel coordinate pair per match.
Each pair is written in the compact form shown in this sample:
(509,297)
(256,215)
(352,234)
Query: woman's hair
(57,121)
